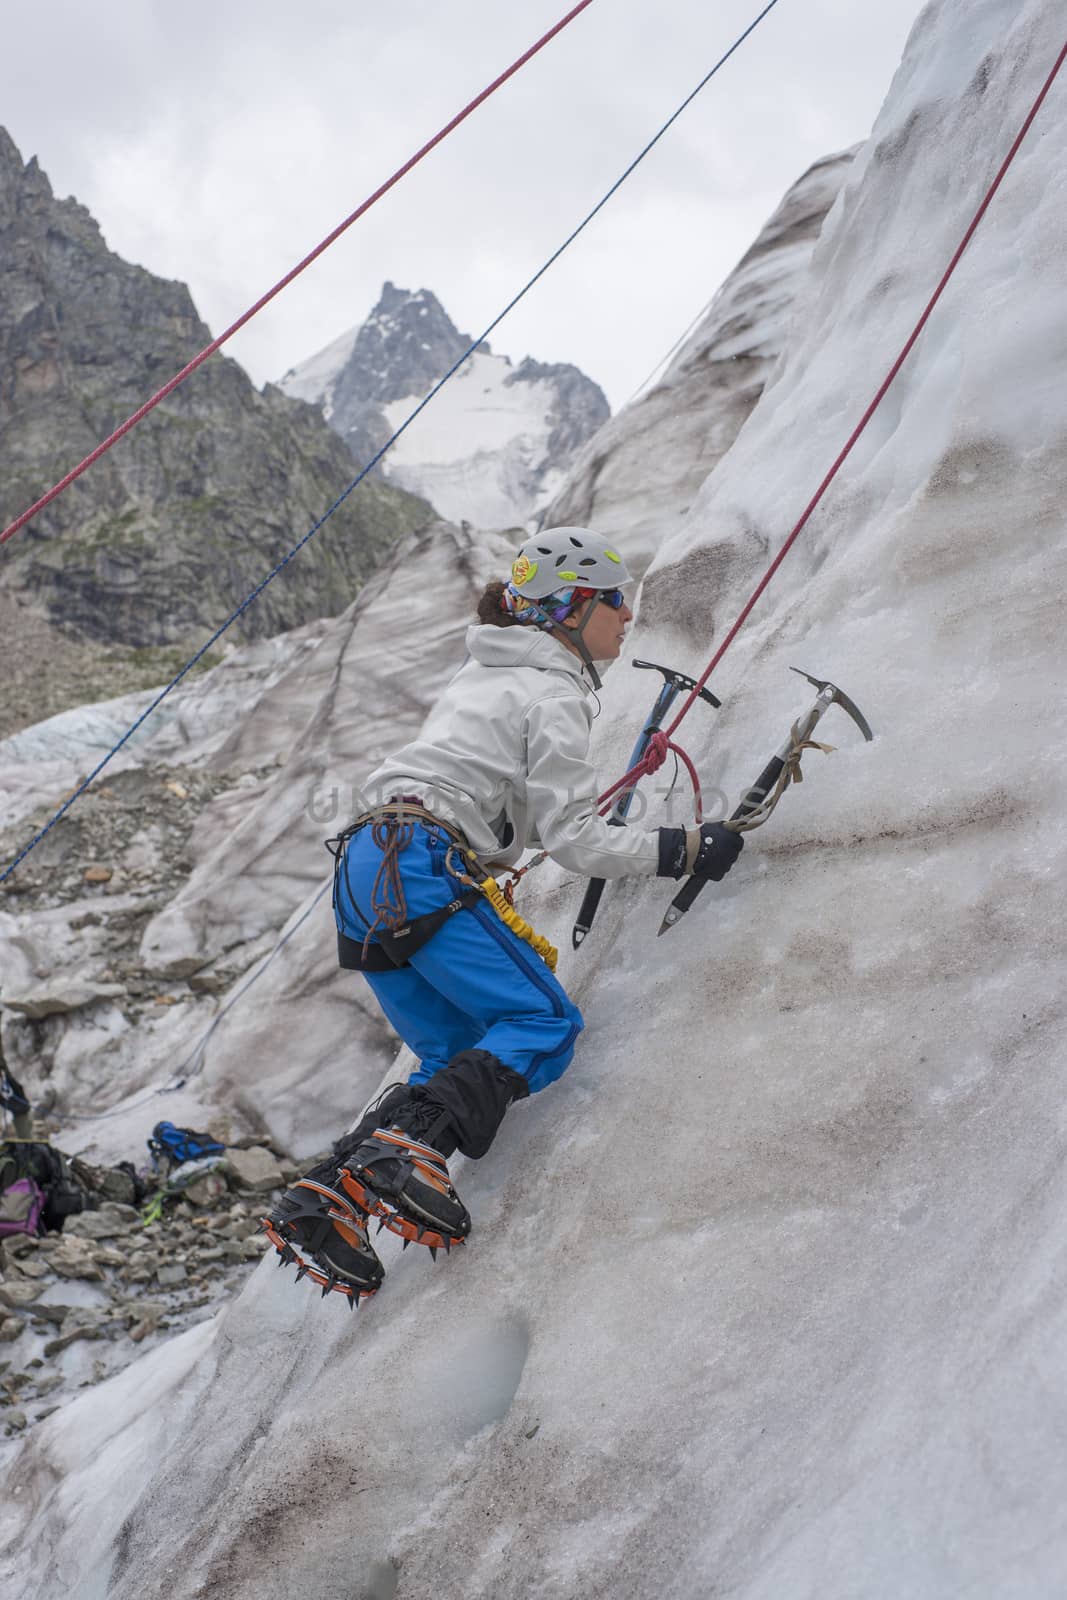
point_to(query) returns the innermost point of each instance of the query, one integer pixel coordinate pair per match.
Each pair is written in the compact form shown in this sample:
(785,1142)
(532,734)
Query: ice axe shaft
(829,694)
(674,684)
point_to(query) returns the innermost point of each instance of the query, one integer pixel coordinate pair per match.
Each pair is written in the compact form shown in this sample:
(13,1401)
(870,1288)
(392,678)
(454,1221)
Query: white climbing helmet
(558,557)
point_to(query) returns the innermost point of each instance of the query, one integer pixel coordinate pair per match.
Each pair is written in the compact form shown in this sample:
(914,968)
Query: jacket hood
(522,647)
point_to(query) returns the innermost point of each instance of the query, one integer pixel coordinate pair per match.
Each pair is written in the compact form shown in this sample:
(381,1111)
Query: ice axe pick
(787,755)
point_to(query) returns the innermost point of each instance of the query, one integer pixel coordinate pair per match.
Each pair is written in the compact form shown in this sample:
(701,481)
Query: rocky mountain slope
(490,449)
(641,472)
(814,1347)
(170,530)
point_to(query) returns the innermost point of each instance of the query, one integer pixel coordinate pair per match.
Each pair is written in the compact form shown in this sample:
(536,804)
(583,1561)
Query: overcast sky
(216,143)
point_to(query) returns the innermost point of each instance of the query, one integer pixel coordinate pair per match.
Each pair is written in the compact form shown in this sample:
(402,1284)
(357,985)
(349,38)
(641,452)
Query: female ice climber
(500,765)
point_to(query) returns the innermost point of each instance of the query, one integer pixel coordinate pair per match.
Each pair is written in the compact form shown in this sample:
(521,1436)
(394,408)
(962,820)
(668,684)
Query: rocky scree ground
(74,915)
(77,1306)
(51,669)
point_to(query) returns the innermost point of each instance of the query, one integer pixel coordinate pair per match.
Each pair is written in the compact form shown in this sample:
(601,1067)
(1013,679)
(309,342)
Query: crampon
(320,1231)
(405,1185)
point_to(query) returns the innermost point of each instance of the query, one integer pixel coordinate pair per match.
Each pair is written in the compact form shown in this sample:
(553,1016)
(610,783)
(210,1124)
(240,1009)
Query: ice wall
(765,1298)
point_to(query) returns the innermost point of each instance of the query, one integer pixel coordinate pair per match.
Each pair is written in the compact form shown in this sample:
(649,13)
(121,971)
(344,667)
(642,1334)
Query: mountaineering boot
(315,1225)
(400,1172)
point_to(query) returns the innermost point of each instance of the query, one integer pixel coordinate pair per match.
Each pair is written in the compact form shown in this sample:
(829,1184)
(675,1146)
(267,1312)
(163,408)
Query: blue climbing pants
(473,985)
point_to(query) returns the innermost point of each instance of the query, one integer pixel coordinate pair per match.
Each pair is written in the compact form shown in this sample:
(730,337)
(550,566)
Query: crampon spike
(405,1244)
(302,1270)
(433,1251)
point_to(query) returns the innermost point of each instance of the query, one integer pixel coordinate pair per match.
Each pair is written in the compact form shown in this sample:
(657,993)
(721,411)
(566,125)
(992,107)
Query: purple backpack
(21,1205)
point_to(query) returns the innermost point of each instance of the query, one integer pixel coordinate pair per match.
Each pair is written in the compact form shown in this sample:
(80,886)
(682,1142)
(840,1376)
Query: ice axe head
(678,681)
(840,698)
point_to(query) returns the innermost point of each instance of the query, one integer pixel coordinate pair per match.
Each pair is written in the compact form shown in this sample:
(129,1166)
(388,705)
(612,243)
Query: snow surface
(766,1297)
(313,380)
(476,453)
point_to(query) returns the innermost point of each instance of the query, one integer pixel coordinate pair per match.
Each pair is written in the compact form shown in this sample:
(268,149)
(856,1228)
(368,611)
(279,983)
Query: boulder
(19,1292)
(256,1170)
(170,1274)
(77,1258)
(102,1224)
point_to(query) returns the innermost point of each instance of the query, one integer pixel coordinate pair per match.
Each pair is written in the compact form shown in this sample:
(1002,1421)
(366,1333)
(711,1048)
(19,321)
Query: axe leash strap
(791,773)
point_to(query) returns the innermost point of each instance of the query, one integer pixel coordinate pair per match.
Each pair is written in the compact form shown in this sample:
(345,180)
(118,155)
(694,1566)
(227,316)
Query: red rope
(209,350)
(659,746)
(630,778)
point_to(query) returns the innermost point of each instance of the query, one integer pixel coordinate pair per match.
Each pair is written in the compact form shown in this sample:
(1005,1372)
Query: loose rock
(80,1330)
(102,1224)
(255,1169)
(17,1294)
(77,1258)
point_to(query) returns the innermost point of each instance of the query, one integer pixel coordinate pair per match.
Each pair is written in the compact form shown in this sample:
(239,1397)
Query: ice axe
(674,684)
(782,769)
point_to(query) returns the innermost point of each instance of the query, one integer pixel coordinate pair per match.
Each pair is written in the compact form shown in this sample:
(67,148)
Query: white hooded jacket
(504,755)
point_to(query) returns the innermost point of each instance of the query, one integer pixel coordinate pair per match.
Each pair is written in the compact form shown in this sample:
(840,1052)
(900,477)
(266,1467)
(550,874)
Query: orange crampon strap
(289,1256)
(430,1166)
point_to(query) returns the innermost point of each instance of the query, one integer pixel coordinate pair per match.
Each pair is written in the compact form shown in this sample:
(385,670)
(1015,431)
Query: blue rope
(373,462)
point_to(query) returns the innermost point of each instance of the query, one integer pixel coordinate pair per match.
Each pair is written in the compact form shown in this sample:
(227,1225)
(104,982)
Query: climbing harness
(758,802)
(398,936)
(674,683)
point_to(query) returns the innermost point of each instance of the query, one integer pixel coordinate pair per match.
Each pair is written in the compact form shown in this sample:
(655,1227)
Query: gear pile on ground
(76,1305)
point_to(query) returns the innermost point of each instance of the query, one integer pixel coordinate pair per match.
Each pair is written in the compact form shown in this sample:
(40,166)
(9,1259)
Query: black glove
(716,850)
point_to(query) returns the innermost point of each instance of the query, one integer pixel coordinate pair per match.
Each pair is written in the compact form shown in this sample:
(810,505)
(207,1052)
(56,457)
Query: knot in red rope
(656,752)
(659,746)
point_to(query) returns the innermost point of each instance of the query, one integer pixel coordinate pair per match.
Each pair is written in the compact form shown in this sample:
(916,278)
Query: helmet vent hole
(577,543)
(543,550)
(587,561)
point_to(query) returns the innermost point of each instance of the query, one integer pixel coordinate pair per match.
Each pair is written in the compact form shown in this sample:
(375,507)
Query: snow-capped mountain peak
(491,449)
